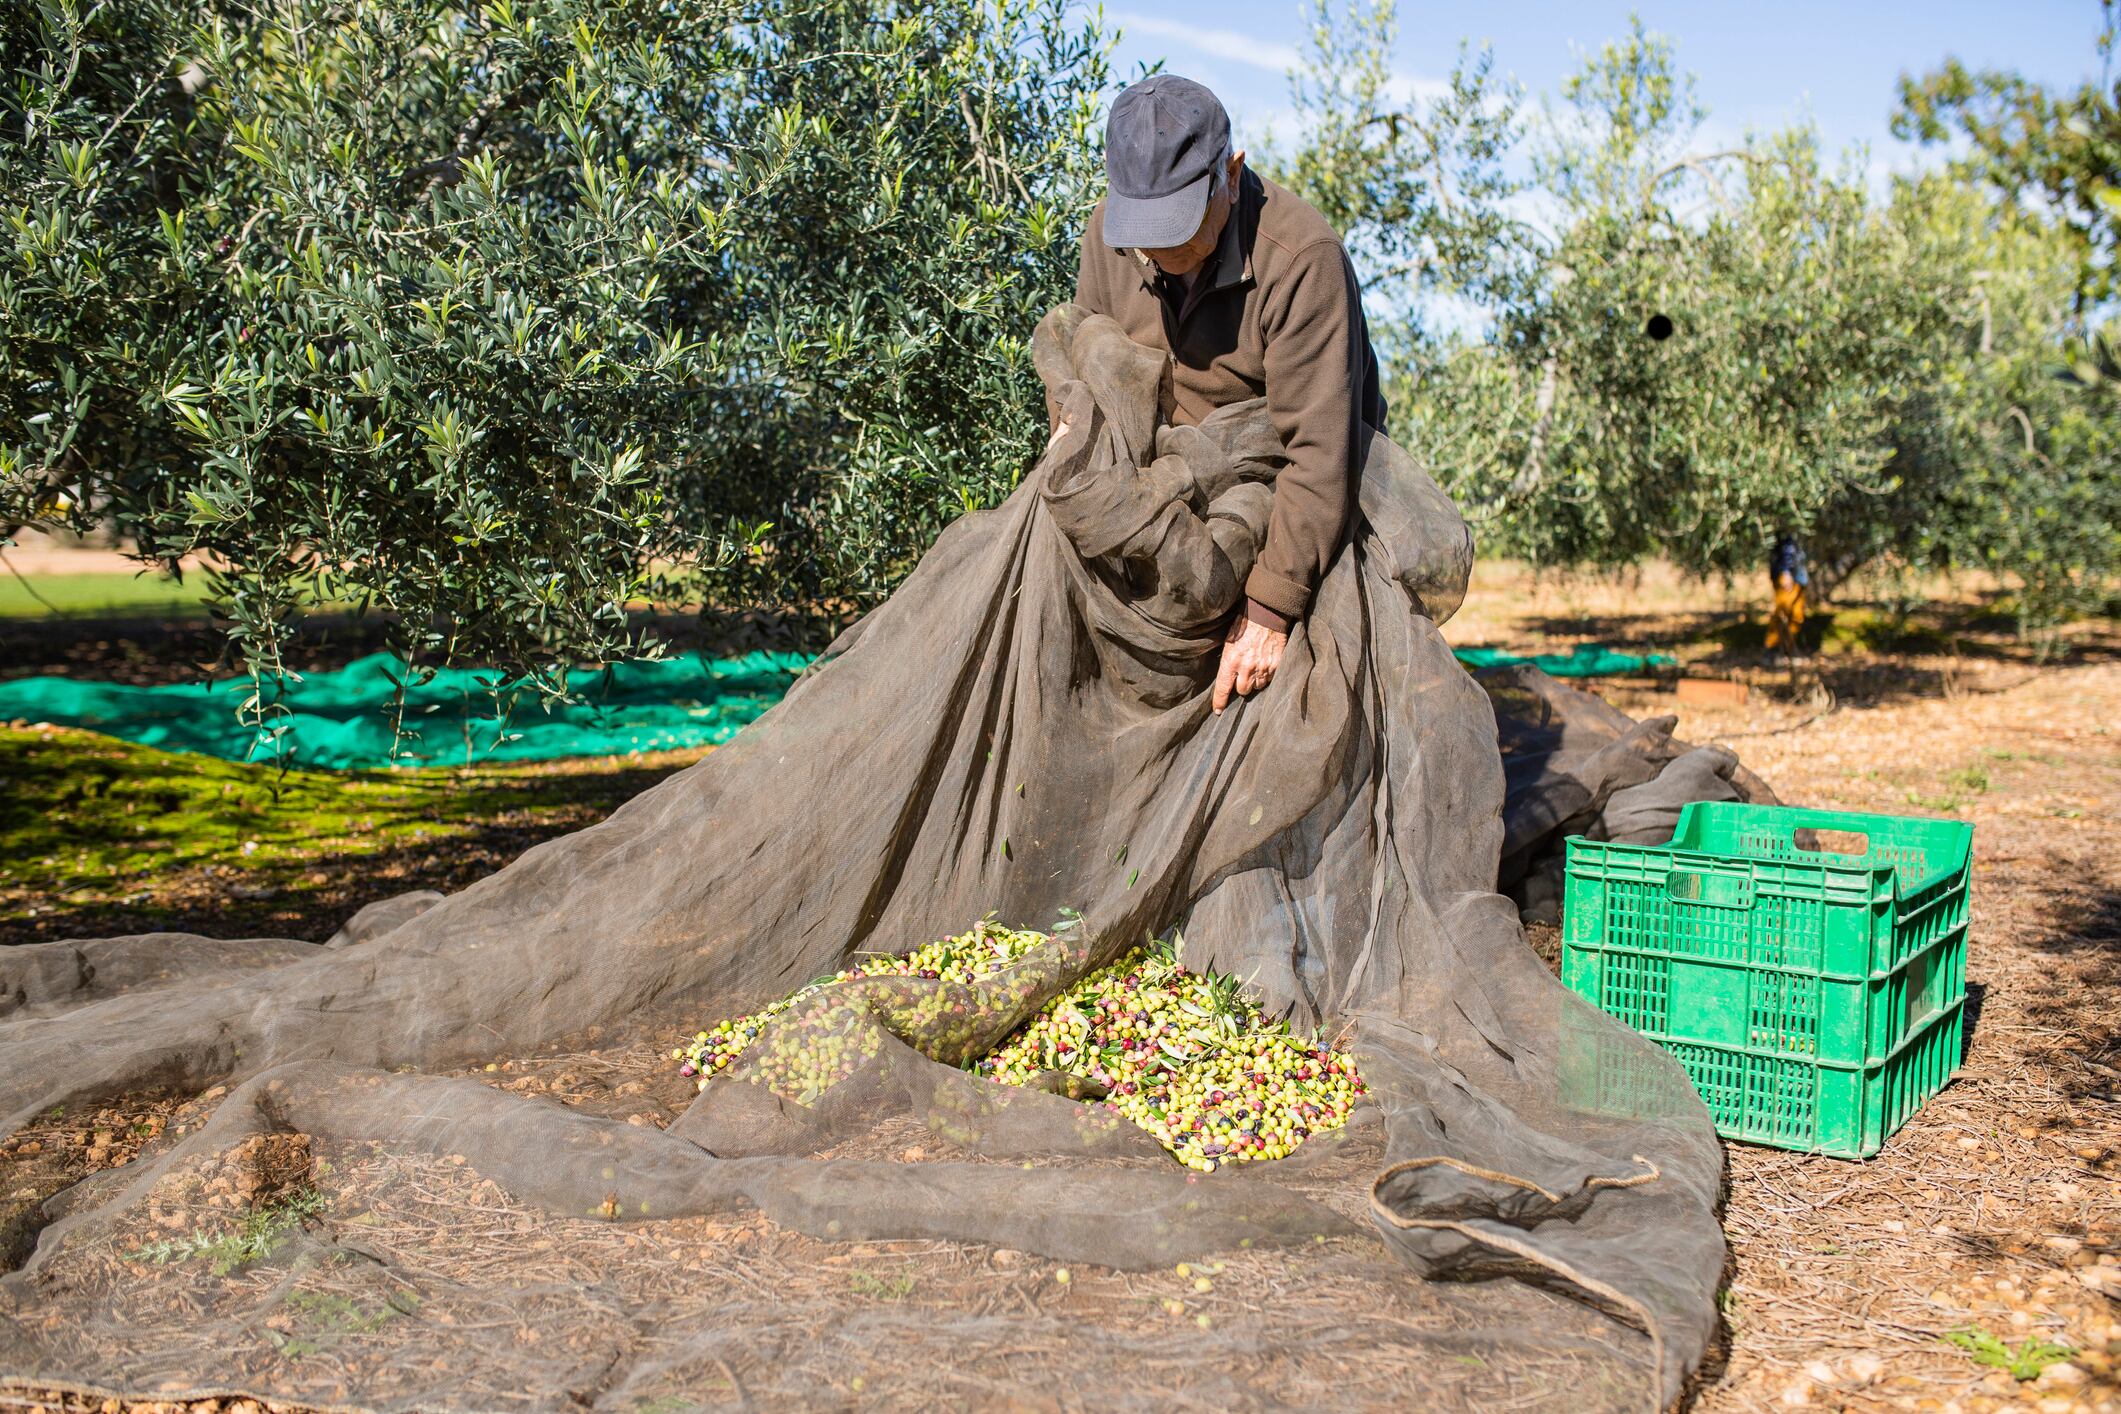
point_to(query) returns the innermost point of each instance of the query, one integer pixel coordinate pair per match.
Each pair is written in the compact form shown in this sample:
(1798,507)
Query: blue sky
(1759,65)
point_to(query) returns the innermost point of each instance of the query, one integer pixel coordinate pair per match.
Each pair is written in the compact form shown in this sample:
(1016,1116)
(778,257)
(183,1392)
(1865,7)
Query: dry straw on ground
(1997,1210)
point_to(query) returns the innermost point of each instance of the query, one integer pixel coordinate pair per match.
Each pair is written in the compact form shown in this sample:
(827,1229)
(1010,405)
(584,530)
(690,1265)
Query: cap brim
(1156,222)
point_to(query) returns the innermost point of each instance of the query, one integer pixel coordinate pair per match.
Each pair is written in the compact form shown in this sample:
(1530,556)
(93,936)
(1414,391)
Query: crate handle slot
(1850,844)
(1709,890)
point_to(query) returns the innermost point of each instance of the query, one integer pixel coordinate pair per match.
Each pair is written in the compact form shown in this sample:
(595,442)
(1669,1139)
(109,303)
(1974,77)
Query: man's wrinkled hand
(1251,653)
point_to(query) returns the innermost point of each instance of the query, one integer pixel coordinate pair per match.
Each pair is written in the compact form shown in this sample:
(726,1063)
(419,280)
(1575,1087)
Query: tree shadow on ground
(2071,1002)
(1837,637)
(1629,631)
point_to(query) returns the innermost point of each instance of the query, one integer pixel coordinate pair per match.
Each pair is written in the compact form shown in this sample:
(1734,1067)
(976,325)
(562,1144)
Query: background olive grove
(490,317)
(1682,351)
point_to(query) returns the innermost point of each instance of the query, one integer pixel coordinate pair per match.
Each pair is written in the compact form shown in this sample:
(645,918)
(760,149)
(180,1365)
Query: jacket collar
(1231,264)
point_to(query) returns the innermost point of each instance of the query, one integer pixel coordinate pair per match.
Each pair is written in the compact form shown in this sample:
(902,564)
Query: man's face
(1187,258)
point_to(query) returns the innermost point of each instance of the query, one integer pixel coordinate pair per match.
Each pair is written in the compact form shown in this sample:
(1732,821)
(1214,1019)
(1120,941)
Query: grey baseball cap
(1162,143)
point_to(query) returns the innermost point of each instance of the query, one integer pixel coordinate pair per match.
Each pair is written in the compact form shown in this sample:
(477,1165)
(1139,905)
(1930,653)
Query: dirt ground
(1988,1232)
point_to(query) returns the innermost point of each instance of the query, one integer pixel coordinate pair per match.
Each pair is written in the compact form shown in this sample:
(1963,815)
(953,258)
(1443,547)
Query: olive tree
(1717,346)
(1413,176)
(491,316)
(2059,150)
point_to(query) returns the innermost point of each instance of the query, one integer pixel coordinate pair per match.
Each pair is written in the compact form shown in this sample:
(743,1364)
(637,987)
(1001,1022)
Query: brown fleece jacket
(1274,311)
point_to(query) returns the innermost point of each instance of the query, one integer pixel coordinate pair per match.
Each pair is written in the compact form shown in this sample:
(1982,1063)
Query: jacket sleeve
(1315,364)
(1090,291)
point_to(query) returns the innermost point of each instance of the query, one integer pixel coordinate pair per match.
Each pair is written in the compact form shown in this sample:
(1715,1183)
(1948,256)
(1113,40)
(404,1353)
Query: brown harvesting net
(365,1219)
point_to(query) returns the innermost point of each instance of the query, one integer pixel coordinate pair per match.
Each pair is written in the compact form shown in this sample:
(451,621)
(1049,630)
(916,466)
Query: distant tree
(1713,348)
(1412,175)
(1719,345)
(2010,460)
(2061,150)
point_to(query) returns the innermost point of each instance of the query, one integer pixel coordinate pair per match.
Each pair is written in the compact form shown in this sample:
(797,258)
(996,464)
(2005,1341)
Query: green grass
(1871,631)
(2024,1363)
(100,836)
(89,810)
(1839,632)
(327,1320)
(43,596)
(885,1288)
(255,1238)
(123,594)
(1962,787)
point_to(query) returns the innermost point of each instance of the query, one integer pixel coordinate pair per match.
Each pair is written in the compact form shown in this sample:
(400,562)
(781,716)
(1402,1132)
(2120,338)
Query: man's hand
(1251,653)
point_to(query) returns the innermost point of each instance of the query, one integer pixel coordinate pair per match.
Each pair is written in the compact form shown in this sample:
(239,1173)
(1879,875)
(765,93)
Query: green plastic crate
(1816,998)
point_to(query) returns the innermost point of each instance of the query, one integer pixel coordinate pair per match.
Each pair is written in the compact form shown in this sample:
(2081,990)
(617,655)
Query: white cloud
(1538,208)
(1229,44)
(1256,125)
(1255,112)
(1449,315)
(1413,88)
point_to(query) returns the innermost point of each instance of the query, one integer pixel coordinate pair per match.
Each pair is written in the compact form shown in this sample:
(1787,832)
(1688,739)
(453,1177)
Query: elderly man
(1252,293)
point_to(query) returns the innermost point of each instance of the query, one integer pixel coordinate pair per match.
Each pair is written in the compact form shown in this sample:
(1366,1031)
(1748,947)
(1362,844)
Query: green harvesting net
(1585,660)
(342,718)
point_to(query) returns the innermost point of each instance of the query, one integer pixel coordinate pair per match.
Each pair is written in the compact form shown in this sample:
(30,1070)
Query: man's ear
(1237,164)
